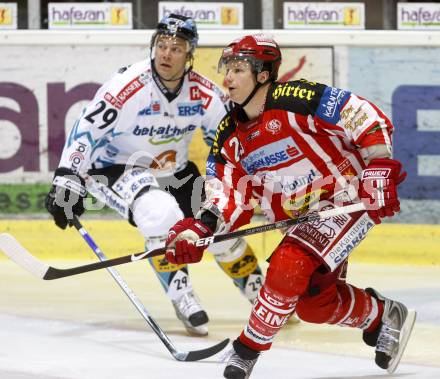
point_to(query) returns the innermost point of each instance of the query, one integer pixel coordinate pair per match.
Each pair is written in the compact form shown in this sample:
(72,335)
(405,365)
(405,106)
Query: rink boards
(387,243)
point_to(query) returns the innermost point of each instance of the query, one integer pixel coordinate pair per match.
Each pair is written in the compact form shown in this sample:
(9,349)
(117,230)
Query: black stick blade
(198,355)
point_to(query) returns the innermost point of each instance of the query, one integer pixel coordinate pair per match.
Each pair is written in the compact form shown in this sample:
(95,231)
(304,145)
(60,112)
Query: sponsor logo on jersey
(271,155)
(273,126)
(194,77)
(222,126)
(358,122)
(355,235)
(163,134)
(164,161)
(112,100)
(345,168)
(252,136)
(331,101)
(190,109)
(344,165)
(129,90)
(195,93)
(132,182)
(291,90)
(77,156)
(353,116)
(317,236)
(291,186)
(150,110)
(210,166)
(293,207)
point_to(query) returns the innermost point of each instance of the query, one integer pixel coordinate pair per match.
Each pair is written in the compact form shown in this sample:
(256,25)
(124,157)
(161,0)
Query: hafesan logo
(351,16)
(118,16)
(5,16)
(229,16)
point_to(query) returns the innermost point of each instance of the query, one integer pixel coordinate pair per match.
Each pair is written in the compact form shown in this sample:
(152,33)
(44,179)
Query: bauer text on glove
(181,247)
(378,187)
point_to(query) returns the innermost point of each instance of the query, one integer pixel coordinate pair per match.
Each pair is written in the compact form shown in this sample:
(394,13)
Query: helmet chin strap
(252,94)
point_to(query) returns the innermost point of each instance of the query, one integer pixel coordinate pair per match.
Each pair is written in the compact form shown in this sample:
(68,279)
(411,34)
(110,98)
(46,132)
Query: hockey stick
(179,355)
(15,251)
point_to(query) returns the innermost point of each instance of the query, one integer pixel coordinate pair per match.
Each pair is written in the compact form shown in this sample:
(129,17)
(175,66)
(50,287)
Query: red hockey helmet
(261,51)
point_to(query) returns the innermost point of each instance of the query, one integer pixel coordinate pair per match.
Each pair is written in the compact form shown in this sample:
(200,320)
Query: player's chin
(233,95)
(169,77)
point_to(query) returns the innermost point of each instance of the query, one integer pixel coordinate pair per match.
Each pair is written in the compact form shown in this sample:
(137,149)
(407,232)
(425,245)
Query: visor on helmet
(222,67)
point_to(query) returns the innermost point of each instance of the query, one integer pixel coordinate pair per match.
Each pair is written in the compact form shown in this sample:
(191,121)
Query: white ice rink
(84,327)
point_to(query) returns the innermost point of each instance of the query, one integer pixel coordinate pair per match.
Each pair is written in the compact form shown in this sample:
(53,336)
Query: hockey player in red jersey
(297,147)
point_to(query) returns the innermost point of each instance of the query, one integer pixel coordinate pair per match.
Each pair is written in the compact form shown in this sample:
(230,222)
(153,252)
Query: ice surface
(84,327)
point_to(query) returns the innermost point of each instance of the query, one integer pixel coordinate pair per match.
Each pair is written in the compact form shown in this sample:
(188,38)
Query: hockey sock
(377,321)
(269,313)
(356,308)
(241,265)
(174,278)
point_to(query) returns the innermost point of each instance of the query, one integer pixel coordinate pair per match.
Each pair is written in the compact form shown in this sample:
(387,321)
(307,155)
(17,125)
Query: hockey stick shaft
(179,355)
(207,241)
(21,256)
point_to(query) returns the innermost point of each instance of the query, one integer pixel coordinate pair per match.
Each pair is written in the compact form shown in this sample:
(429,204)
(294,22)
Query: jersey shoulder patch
(298,96)
(225,128)
(127,83)
(332,103)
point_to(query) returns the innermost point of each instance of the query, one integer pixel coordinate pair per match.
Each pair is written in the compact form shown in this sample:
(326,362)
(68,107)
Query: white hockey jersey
(130,121)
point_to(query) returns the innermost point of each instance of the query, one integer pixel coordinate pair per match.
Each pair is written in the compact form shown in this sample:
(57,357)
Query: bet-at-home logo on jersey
(163,134)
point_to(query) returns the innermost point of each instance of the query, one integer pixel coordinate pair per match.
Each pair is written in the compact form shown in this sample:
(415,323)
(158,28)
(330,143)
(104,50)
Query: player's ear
(263,76)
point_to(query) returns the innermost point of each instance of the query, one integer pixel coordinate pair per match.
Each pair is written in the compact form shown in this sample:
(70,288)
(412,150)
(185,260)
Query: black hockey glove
(65,198)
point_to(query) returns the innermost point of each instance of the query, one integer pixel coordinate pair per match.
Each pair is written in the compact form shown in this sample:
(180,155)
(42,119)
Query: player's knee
(155,212)
(290,270)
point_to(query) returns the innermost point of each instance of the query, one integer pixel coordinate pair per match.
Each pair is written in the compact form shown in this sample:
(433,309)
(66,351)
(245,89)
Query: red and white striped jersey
(302,148)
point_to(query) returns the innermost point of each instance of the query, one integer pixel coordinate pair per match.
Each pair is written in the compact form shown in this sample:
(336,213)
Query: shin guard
(287,278)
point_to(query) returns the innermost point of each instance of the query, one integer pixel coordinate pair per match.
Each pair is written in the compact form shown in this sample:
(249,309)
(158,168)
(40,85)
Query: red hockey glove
(180,242)
(378,188)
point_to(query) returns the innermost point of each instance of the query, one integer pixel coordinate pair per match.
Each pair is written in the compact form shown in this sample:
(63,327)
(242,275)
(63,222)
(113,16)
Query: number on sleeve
(108,117)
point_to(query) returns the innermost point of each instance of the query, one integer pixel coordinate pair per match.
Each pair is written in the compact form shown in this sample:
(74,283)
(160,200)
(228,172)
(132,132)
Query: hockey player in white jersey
(134,135)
